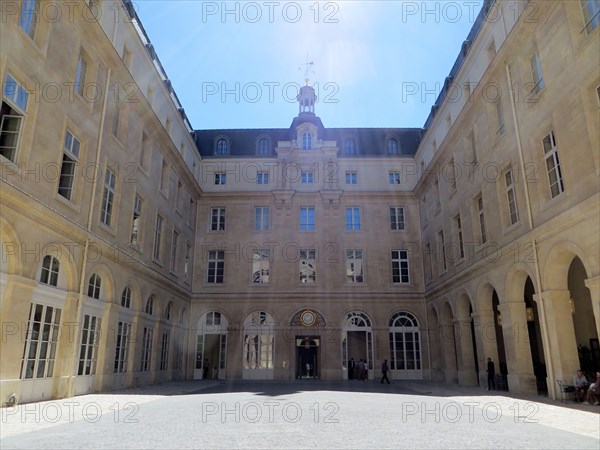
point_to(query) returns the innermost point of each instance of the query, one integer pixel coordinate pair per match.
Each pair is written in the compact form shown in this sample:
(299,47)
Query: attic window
(392,146)
(306,141)
(263,146)
(222,147)
(350,147)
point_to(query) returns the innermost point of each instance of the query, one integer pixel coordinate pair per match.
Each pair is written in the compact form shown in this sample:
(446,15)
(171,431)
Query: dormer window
(392,146)
(306,141)
(222,147)
(350,147)
(264,148)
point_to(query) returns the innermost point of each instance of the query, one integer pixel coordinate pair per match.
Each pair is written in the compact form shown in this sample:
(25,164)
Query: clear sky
(237,64)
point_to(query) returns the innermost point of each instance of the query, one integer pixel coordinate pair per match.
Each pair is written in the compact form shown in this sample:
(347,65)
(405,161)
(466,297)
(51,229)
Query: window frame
(398,278)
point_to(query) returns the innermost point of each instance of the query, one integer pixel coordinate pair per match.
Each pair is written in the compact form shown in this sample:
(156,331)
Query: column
(464,345)
(485,338)
(593,284)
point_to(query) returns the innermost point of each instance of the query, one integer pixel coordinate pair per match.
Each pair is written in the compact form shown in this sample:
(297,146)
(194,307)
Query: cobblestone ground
(301,414)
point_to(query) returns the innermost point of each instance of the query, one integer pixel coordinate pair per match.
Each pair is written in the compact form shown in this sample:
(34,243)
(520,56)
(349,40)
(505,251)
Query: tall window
(397,218)
(14,105)
(222,147)
(261,266)
(473,149)
(122,347)
(353,219)
(351,178)
(264,147)
(164,352)
(591,14)
(145,150)
(30,16)
(217,221)
(306,141)
(405,342)
(511,197)
(307,176)
(164,177)
(187,262)
(392,146)
(41,340)
(174,244)
(94,285)
(49,273)
(258,341)
(308,266)
(69,163)
(126,297)
(80,74)
(459,236)
(350,147)
(428,263)
(451,174)
(307,219)
(536,73)
(116,121)
(400,272)
(216,267)
(442,251)
(158,231)
(108,197)
(553,165)
(146,350)
(500,117)
(149,309)
(137,220)
(88,351)
(261,218)
(481,216)
(354,266)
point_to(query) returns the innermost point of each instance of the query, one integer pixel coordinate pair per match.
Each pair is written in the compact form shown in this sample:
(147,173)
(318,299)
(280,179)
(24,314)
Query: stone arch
(107,286)
(10,248)
(556,268)
(136,294)
(67,275)
(300,318)
(515,280)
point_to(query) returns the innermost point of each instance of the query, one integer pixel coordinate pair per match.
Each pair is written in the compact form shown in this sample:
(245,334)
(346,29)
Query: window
(394,178)
(220,178)
(222,147)
(30,16)
(500,117)
(94,286)
(481,216)
(591,14)
(217,222)
(146,350)
(137,220)
(49,273)
(392,146)
(116,121)
(353,219)
(126,297)
(80,74)
(262,178)
(174,244)
(158,230)
(306,141)
(88,351)
(473,149)
(511,197)
(145,151)
(405,342)
(536,73)
(216,266)
(261,266)
(423,210)
(41,341)
(168,125)
(261,218)
(307,219)
(108,198)
(168,310)
(354,266)
(400,272)
(187,262)
(307,176)
(13,109)
(164,177)
(122,347)
(428,262)
(459,236)
(308,266)
(164,352)
(442,246)
(149,309)
(451,173)
(397,218)
(436,193)
(351,178)
(264,147)
(191,211)
(553,165)
(350,147)
(69,163)
(127,58)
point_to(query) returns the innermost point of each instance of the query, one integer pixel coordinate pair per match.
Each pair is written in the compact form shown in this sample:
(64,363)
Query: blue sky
(237,64)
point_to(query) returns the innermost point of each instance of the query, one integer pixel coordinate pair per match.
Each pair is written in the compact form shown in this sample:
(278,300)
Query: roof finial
(308,69)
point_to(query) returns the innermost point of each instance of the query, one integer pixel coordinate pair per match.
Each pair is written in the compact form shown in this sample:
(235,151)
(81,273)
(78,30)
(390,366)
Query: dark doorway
(307,357)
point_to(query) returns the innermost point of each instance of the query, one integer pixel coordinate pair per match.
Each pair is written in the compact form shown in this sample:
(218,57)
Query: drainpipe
(73,362)
(536,263)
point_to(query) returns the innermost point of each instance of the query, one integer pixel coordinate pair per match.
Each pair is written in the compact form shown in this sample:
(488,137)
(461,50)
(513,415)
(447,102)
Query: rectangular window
(41,340)
(351,178)
(174,244)
(164,177)
(459,236)
(307,176)
(80,74)
(308,266)
(145,151)
(511,197)
(158,230)
(353,219)
(116,121)
(146,350)
(481,216)
(591,14)
(187,262)
(220,178)
(394,178)
(88,351)
(122,347)
(428,262)
(397,218)
(30,16)
(179,196)
(127,58)
(451,174)
(68,165)
(500,117)
(217,219)
(423,210)
(307,219)
(436,193)
(261,266)
(191,211)
(354,266)
(261,219)
(137,220)
(442,251)
(13,109)
(164,352)
(108,197)
(553,165)
(400,272)
(536,73)
(262,178)
(216,266)
(473,149)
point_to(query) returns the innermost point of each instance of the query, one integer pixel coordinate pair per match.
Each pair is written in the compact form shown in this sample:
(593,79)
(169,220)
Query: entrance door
(211,347)
(357,342)
(308,357)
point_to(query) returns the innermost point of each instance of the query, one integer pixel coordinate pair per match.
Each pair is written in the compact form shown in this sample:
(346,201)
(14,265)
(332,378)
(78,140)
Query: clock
(308,318)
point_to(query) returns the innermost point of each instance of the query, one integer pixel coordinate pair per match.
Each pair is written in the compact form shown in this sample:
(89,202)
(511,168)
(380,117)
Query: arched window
(49,274)
(94,286)
(126,297)
(350,147)
(222,147)
(392,146)
(306,141)
(182,316)
(405,342)
(149,305)
(264,148)
(168,310)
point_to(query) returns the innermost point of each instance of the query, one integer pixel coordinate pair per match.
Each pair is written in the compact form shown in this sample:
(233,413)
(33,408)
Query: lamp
(572,304)
(529,314)
(499,319)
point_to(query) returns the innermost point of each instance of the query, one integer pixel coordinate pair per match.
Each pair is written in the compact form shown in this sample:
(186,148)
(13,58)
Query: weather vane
(308,69)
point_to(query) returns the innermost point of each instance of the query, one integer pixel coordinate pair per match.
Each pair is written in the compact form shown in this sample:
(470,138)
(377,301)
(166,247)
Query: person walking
(384,372)
(491,374)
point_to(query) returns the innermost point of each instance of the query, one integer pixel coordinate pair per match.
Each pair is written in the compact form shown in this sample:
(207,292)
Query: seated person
(593,393)
(581,385)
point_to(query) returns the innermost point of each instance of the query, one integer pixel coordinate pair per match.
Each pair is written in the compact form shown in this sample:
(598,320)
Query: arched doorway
(501,367)
(357,341)
(405,347)
(211,347)
(258,342)
(534,333)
